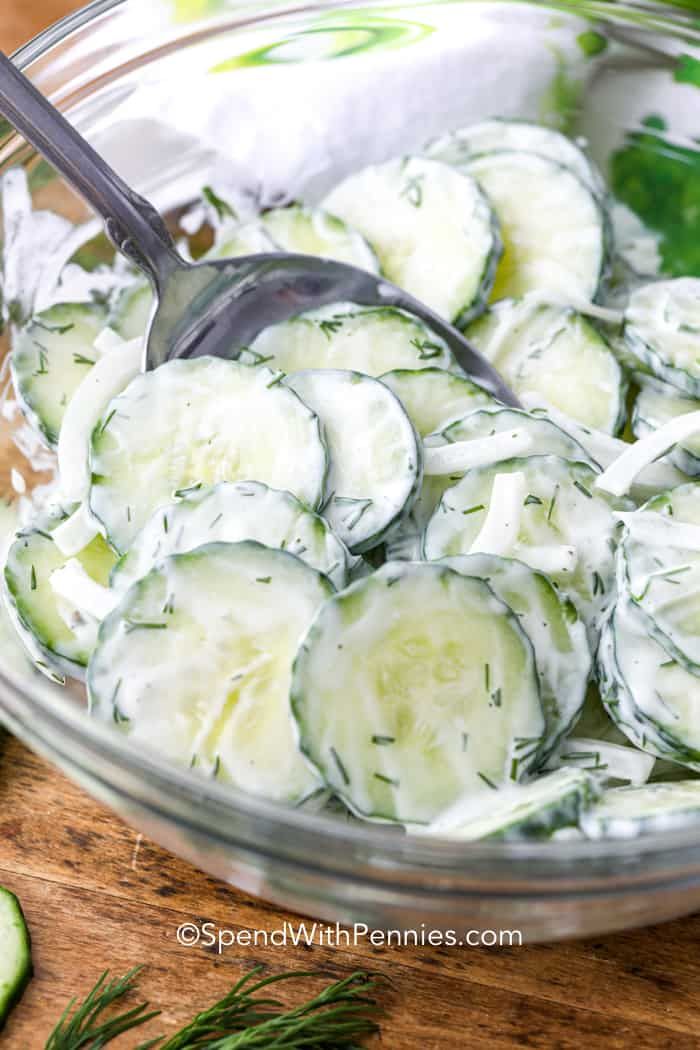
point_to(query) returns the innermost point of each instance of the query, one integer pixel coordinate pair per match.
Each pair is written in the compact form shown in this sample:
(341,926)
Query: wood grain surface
(98,896)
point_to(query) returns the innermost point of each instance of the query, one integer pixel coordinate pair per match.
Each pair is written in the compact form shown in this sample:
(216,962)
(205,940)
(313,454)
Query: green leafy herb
(86,1025)
(475,509)
(341,768)
(32,582)
(382,741)
(330,327)
(222,208)
(530,499)
(487,781)
(426,349)
(387,780)
(81,359)
(413,190)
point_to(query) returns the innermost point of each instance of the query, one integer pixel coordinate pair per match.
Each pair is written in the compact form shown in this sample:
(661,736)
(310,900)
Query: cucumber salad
(335,572)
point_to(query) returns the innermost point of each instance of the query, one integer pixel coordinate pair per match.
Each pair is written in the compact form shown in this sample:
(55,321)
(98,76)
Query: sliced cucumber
(13,655)
(194,423)
(610,762)
(651,698)
(556,357)
(234,239)
(544,512)
(431,227)
(314,231)
(52,628)
(659,569)
(375,454)
(414,687)
(434,397)
(627,812)
(132,309)
(657,404)
(361,339)
(662,331)
(522,811)
(555,231)
(104,381)
(460,147)
(552,624)
(229,513)
(15,953)
(50,358)
(197,659)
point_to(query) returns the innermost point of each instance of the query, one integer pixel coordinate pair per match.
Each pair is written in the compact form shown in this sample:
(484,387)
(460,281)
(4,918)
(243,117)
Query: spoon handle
(131,222)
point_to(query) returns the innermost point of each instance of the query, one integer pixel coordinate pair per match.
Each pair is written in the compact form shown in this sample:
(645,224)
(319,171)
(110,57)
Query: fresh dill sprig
(85,1025)
(243,1019)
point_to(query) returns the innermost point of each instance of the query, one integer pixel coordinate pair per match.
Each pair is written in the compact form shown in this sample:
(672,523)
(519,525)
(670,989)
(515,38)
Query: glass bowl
(284,100)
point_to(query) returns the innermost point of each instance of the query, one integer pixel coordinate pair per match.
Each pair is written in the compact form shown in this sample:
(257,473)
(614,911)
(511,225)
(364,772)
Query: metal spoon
(219,307)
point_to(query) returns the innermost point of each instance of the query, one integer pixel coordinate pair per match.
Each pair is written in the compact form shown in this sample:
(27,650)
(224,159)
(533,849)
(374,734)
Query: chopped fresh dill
(382,741)
(341,768)
(475,509)
(387,780)
(487,781)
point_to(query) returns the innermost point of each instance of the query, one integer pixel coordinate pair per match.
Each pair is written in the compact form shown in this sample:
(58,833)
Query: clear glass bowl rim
(92,754)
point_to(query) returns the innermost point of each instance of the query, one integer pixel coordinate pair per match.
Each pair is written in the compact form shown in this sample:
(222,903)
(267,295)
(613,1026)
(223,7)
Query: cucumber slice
(358,338)
(651,698)
(544,512)
(657,404)
(52,628)
(552,624)
(434,397)
(132,309)
(659,570)
(314,231)
(194,423)
(522,811)
(50,358)
(196,663)
(229,513)
(431,227)
(662,331)
(626,812)
(13,655)
(234,239)
(375,454)
(556,357)
(15,953)
(555,231)
(460,147)
(542,437)
(393,700)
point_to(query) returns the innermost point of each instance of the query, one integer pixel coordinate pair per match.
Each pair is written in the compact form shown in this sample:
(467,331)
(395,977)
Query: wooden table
(98,896)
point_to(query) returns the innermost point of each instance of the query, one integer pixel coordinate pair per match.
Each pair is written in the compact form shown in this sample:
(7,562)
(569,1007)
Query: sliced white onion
(644,527)
(499,533)
(73,535)
(620,475)
(108,340)
(72,583)
(480,452)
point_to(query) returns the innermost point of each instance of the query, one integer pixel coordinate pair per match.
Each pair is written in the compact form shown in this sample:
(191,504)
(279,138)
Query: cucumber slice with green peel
(551,622)
(662,331)
(191,424)
(359,338)
(15,953)
(131,310)
(314,231)
(196,661)
(459,147)
(230,513)
(414,687)
(13,655)
(650,697)
(626,812)
(48,624)
(50,358)
(658,562)
(234,239)
(522,811)
(610,762)
(541,510)
(658,403)
(555,230)
(556,357)
(412,210)
(375,454)
(434,397)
